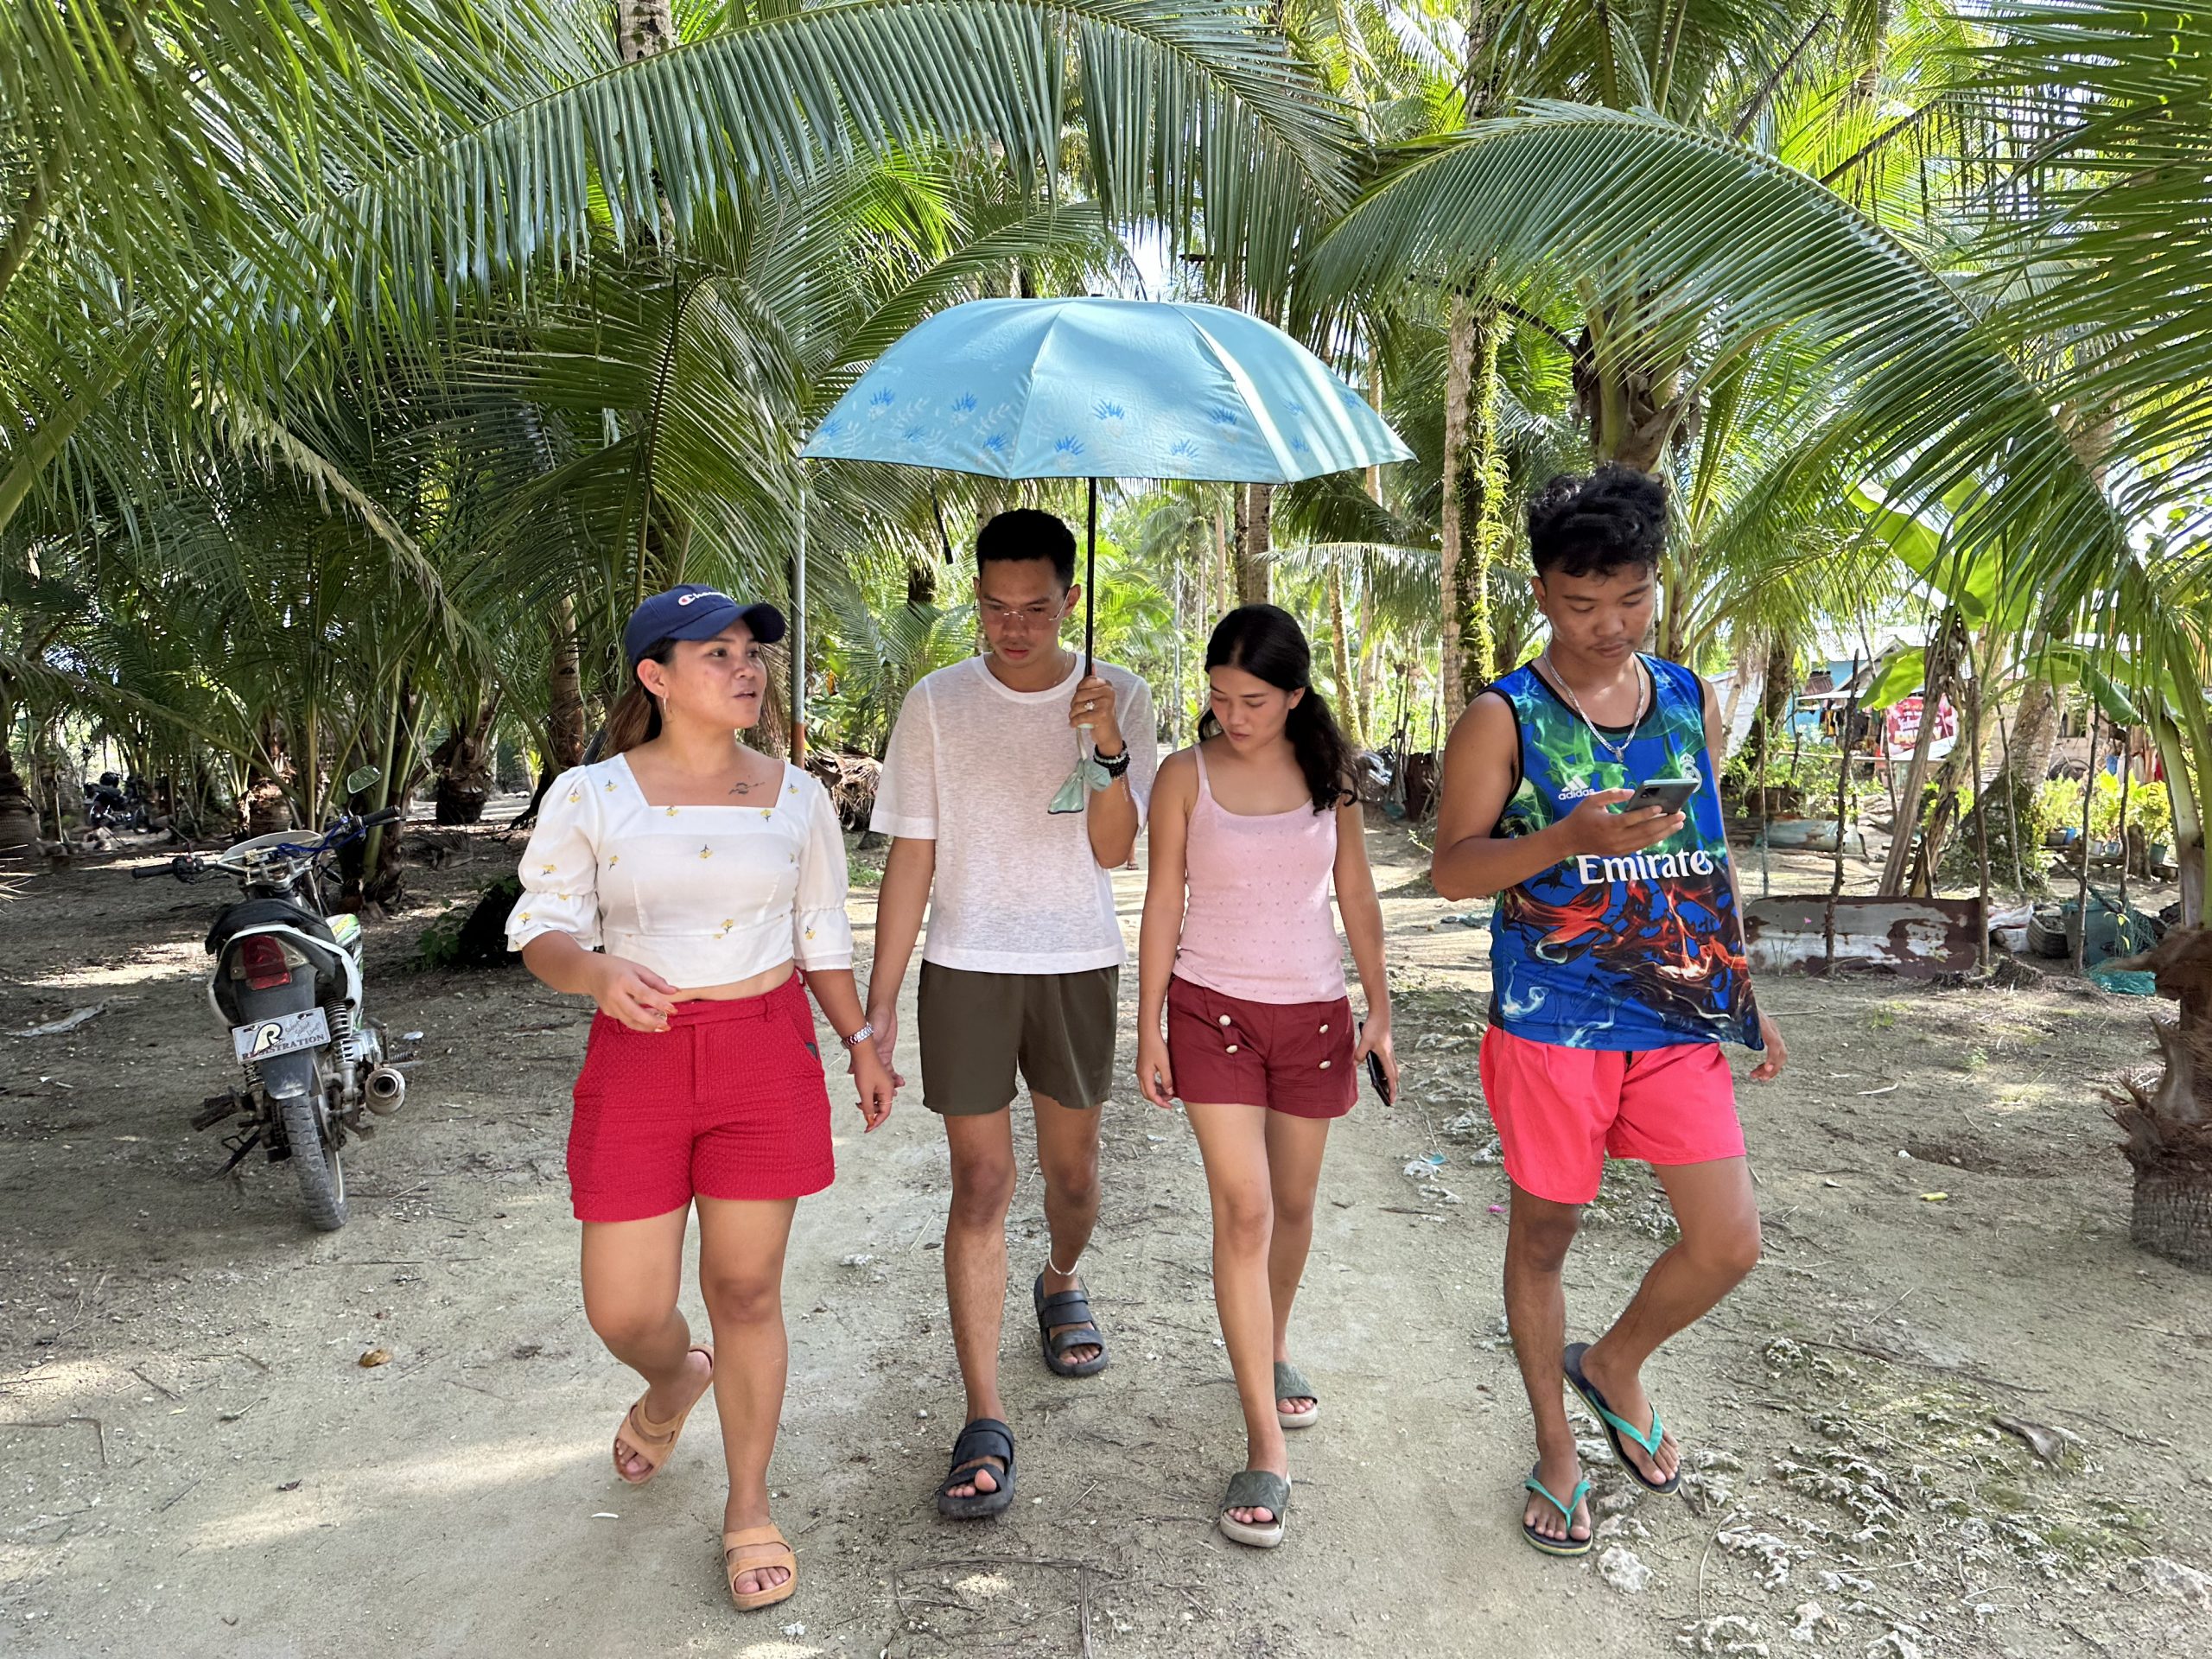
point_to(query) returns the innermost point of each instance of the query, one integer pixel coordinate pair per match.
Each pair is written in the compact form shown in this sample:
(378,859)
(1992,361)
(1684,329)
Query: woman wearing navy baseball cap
(695,889)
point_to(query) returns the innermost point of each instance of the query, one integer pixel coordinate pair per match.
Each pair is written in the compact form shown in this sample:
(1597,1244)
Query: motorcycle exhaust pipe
(386,1089)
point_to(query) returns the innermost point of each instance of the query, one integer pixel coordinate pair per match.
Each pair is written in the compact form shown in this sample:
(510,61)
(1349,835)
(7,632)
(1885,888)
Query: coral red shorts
(728,1103)
(1293,1058)
(1561,1110)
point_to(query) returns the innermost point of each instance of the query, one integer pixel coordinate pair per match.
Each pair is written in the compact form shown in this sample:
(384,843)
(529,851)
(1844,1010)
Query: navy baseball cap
(694,611)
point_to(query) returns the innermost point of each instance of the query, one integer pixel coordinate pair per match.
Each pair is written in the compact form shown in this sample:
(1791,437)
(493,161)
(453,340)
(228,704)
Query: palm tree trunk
(266,808)
(386,879)
(19,835)
(643,28)
(1255,540)
(464,767)
(2035,736)
(1221,584)
(1456,525)
(2188,811)
(1634,407)
(1484,484)
(564,713)
(1346,703)
(564,720)
(1775,687)
(1370,658)
(1473,531)
(1941,651)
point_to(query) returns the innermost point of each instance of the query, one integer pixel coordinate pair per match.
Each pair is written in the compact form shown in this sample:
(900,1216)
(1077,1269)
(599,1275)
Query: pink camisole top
(1257,923)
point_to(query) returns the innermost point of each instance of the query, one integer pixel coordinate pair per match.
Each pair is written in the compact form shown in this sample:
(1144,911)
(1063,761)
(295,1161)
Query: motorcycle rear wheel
(315,1159)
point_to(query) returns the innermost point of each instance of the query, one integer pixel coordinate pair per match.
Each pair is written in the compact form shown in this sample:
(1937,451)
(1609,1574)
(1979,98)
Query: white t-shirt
(972,766)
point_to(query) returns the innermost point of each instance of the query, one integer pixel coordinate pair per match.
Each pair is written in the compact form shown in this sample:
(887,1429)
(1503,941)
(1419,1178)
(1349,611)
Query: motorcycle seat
(261,913)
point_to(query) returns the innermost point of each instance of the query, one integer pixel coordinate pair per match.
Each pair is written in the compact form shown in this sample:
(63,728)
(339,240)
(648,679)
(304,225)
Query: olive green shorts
(976,1028)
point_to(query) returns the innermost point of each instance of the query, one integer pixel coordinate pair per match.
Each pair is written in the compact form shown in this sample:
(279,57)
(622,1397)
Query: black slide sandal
(1072,1309)
(984,1438)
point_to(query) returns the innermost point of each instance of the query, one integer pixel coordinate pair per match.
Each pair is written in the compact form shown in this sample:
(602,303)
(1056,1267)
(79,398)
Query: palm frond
(1711,229)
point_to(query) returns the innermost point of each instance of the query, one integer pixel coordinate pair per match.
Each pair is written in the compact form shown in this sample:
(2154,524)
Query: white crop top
(701,896)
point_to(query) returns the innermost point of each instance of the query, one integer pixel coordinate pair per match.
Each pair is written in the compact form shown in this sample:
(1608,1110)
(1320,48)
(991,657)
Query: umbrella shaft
(1090,576)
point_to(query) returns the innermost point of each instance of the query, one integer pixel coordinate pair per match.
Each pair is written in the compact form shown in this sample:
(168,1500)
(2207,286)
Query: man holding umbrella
(1023,963)
(1021,972)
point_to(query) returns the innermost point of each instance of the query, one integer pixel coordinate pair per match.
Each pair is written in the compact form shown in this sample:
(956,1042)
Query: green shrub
(2150,809)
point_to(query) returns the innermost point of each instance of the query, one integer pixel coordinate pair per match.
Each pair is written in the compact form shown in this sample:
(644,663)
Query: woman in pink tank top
(1250,831)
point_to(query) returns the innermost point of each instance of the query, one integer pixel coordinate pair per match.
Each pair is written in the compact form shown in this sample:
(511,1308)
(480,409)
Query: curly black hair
(1592,527)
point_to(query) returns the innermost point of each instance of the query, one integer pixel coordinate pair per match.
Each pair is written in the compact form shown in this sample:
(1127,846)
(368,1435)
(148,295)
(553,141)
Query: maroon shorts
(1288,1056)
(728,1103)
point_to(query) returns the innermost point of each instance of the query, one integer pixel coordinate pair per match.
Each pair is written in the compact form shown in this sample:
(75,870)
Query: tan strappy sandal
(748,1551)
(655,1441)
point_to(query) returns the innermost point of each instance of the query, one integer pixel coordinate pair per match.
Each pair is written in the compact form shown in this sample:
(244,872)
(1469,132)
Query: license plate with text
(281,1033)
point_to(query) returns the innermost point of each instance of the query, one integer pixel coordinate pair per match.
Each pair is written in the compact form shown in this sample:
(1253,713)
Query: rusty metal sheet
(1916,938)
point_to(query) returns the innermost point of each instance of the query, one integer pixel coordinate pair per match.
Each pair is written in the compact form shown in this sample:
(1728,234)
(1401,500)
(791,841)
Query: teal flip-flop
(1615,1426)
(1570,1545)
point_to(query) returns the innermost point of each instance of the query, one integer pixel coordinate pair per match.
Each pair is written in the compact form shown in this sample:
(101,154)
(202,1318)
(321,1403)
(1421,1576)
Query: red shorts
(1561,1110)
(1293,1058)
(728,1103)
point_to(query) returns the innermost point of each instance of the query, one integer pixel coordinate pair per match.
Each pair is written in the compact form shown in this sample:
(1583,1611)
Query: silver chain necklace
(1618,751)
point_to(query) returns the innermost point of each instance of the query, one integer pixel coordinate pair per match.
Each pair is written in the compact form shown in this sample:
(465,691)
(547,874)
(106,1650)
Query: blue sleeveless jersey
(1633,953)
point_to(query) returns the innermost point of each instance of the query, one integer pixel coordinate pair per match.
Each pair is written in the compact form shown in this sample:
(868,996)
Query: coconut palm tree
(1661,193)
(324,242)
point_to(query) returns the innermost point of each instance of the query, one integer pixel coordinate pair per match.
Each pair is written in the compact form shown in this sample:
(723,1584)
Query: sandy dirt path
(193,1461)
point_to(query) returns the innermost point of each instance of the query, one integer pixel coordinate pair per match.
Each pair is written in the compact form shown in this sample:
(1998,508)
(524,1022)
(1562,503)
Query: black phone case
(1680,806)
(1375,1074)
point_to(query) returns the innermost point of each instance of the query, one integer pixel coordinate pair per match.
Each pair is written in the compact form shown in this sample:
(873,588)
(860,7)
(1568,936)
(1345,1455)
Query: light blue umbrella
(1105,388)
(1098,388)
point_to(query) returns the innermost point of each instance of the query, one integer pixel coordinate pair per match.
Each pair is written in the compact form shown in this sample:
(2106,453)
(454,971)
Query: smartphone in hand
(1669,794)
(1375,1074)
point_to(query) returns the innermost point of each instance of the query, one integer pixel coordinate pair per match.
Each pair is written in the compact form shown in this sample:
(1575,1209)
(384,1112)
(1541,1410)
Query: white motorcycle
(287,983)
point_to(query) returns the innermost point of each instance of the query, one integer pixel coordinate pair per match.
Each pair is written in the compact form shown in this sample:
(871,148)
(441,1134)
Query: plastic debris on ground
(2124,982)
(69,1021)
(1429,1164)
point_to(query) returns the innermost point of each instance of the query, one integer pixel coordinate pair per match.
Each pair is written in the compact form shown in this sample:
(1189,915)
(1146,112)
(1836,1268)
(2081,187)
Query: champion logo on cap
(686,598)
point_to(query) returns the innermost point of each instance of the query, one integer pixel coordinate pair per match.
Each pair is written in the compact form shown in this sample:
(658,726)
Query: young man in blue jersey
(1618,973)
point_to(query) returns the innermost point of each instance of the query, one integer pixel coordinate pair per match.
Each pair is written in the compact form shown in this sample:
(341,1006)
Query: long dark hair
(635,717)
(1265,640)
